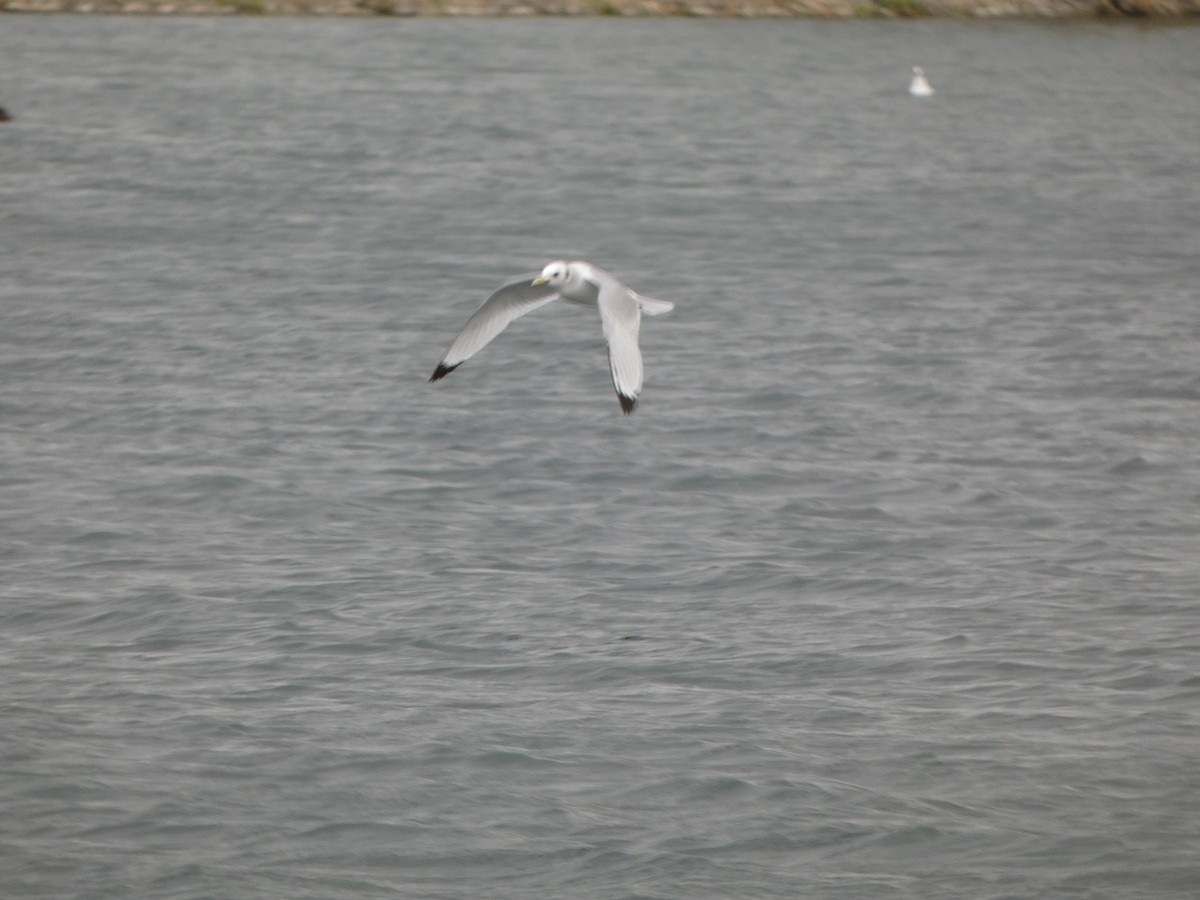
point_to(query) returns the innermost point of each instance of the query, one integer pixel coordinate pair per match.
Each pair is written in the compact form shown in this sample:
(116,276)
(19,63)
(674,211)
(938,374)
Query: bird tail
(652,307)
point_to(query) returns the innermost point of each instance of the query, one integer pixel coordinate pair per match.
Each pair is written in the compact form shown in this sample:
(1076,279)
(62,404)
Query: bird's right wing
(494,315)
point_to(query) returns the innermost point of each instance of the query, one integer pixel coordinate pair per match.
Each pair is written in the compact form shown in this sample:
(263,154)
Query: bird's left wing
(494,315)
(621,318)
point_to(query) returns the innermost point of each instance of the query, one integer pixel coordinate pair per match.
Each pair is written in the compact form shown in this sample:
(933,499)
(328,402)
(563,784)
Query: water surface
(888,589)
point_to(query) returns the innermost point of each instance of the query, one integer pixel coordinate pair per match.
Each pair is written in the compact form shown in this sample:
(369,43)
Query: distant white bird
(579,282)
(920,87)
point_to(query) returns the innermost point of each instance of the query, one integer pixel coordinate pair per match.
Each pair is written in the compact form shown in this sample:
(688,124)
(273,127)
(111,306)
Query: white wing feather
(621,318)
(495,314)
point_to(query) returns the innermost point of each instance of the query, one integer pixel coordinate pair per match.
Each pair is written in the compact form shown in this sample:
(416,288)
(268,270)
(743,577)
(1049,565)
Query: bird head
(556,274)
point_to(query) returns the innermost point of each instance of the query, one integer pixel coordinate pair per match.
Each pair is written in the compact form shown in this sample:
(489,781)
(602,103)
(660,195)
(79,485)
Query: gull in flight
(579,282)
(920,86)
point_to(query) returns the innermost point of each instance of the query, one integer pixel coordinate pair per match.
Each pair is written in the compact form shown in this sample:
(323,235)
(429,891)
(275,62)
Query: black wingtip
(442,371)
(627,403)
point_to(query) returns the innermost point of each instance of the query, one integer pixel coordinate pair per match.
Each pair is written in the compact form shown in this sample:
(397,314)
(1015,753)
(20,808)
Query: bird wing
(494,315)
(620,317)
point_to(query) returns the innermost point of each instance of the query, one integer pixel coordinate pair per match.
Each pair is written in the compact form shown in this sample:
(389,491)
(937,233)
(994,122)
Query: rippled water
(888,589)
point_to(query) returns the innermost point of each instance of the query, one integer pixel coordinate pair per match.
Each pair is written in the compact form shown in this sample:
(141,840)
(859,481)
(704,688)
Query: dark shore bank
(828,9)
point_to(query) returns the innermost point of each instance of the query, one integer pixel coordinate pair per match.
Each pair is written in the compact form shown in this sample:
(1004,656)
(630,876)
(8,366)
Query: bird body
(920,86)
(577,282)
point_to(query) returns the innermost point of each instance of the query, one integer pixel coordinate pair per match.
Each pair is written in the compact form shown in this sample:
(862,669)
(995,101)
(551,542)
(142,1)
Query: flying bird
(579,282)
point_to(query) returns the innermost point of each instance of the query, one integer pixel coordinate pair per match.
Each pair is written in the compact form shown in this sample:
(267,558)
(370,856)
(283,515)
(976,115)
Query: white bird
(579,282)
(920,86)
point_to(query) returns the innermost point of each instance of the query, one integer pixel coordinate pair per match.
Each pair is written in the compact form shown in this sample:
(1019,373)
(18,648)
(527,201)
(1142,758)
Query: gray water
(890,588)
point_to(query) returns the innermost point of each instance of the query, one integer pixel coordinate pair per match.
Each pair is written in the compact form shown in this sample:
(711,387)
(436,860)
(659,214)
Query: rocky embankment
(709,8)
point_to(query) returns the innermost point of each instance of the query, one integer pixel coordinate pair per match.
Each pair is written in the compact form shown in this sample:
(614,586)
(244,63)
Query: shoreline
(1085,10)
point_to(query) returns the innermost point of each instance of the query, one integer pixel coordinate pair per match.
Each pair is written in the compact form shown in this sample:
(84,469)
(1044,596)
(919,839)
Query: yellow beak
(539,280)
